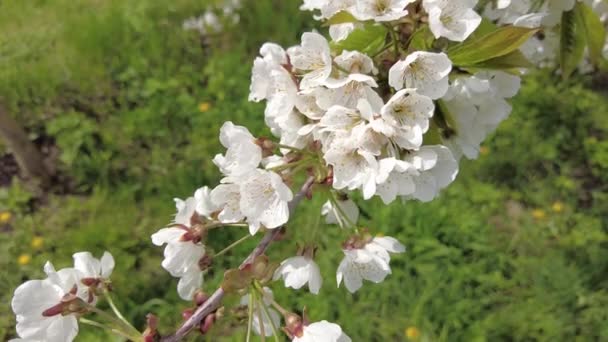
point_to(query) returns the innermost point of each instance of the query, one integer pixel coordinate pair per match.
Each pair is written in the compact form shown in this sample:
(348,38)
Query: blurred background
(123,101)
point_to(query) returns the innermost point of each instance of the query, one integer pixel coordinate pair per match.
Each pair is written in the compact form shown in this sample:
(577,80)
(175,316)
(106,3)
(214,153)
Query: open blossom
(184,251)
(95,272)
(344,214)
(242,154)
(454,20)
(298,271)
(273,57)
(42,308)
(476,105)
(322,331)
(436,168)
(369,261)
(261,321)
(313,57)
(90,267)
(409,112)
(427,72)
(264,200)
(381,10)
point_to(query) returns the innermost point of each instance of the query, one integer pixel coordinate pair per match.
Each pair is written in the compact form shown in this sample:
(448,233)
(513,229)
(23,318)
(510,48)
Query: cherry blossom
(426,71)
(455,20)
(298,271)
(42,307)
(381,10)
(322,331)
(314,57)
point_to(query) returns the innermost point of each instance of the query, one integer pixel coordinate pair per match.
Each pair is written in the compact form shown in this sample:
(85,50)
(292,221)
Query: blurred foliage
(515,250)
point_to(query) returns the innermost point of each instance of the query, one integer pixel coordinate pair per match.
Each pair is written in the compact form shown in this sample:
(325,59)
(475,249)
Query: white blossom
(264,200)
(298,271)
(409,112)
(322,331)
(183,251)
(369,262)
(381,10)
(436,168)
(91,267)
(39,306)
(312,57)
(454,20)
(273,57)
(242,155)
(426,71)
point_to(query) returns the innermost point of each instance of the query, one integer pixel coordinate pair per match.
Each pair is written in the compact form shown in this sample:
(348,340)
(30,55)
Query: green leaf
(422,39)
(369,39)
(595,32)
(572,42)
(499,42)
(513,60)
(341,17)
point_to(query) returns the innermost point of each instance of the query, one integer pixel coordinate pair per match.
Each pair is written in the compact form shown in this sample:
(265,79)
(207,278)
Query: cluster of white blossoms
(386,108)
(212,21)
(48,309)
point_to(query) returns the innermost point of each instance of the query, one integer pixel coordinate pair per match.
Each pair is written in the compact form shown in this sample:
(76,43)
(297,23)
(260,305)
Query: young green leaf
(499,42)
(595,32)
(513,60)
(572,42)
(341,17)
(369,39)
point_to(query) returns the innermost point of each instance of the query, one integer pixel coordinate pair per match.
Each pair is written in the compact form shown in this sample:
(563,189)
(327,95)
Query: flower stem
(276,305)
(115,321)
(220,225)
(118,313)
(250,320)
(260,317)
(275,332)
(108,328)
(232,245)
(341,212)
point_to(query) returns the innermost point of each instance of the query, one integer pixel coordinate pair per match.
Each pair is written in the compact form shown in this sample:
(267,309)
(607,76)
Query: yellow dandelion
(412,333)
(204,107)
(484,151)
(24,259)
(37,242)
(5,217)
(558,207)
(539,214)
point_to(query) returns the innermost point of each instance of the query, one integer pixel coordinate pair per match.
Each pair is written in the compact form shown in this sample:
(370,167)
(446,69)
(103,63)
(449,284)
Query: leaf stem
(108,328)
(232,245)
(118,313)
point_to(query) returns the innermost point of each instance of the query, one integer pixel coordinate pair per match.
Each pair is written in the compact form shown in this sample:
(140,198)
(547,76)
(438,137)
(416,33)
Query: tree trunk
(29,158)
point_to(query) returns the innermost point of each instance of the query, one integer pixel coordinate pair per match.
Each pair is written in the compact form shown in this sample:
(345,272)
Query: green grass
(117,85)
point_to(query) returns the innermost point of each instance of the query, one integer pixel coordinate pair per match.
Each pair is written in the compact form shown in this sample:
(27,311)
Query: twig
(216,298)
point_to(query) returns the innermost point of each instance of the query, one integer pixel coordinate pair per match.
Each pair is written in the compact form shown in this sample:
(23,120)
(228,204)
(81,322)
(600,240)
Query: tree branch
(216,298)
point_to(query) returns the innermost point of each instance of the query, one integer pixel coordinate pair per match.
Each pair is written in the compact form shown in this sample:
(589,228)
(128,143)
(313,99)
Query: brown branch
(29,158)
(216,298)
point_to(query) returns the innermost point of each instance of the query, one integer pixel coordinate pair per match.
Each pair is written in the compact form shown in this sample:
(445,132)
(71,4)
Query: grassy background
(516,249)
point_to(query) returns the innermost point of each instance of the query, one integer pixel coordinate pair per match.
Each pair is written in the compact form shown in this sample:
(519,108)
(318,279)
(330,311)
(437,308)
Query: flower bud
(187,313)
(200,298)
(293,325)
(207,323)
